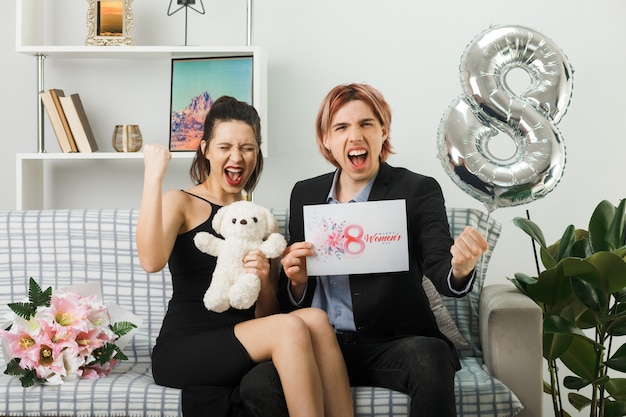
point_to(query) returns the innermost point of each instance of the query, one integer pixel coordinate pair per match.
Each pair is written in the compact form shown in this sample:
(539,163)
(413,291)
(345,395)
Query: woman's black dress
(196,349)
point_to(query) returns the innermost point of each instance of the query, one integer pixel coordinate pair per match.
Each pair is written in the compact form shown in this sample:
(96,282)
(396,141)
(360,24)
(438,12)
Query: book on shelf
(79,123)
(52,104)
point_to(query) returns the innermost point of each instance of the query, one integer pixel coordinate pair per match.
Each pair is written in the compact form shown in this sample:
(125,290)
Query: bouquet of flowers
(54,337)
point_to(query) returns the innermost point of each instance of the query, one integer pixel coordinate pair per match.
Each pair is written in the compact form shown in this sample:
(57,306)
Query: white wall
(410,50)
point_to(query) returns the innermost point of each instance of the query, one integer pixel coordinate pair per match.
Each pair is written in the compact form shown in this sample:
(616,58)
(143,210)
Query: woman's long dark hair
(226,109)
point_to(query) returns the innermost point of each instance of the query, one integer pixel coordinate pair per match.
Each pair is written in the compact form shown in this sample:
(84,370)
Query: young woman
(199,348)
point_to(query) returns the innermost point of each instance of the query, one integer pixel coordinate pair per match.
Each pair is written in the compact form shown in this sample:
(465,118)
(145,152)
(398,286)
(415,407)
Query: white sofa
(502,364)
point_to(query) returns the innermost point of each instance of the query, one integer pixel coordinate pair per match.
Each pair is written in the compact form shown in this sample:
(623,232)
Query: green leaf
(520,284)
(566,243)
(552,288)
(606,227)
(618,328)
(28,376)
(120,355)
(617,388)
(582,357)
(603,270)
(613,323)
(122,327)
(554,345)
(578,401)
(547,388)
(24,310)
(553,323)
(103,354)
(36,296)
(576,312)
(618,323)
(13,367)
(616,235)
(547,257)
(531,229)
(601,381)
(581,247)
(592,298)
(572,382)
(599,225)
(525,279)
(614,409)
(28,380)
(618,360)
(564,340)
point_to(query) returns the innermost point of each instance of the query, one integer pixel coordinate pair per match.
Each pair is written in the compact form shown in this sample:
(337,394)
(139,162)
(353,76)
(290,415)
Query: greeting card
(357,238)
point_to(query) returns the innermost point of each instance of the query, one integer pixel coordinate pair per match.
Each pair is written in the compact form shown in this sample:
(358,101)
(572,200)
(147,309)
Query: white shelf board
(30,171)
(137,52)
(78,156)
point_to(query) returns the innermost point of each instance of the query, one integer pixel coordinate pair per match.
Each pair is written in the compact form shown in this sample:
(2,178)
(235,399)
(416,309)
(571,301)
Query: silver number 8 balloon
(488,107)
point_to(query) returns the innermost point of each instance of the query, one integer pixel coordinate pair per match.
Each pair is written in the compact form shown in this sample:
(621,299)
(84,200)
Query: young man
(386,330)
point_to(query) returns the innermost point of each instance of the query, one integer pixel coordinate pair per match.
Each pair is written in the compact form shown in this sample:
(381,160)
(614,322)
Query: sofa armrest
(511,339)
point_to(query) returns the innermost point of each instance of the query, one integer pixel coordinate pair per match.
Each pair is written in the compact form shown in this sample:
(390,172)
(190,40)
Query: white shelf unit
(31,40)
(259,67)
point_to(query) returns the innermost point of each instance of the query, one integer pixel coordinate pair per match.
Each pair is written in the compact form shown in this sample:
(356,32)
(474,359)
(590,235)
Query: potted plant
(582,292)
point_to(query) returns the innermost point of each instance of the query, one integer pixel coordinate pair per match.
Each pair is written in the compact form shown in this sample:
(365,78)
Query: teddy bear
(244,226)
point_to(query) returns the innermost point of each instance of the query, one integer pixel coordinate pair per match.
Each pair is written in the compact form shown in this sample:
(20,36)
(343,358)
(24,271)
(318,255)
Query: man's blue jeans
(422,367)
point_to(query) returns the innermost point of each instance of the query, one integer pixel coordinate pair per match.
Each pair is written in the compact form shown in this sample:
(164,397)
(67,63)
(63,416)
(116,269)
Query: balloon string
(480,264)
(482,257)
(532,242)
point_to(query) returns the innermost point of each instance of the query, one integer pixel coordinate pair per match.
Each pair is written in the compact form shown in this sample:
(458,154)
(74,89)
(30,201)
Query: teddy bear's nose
(243,221)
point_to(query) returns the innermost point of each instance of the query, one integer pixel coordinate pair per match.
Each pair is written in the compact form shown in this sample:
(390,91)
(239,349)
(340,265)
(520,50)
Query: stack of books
(69,121)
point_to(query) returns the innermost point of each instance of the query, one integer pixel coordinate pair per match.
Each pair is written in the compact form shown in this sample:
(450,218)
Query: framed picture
(196,84)
(109,22)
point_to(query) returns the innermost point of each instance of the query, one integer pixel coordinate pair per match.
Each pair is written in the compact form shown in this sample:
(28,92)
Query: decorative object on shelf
(109,22)
(204,80)
(52,103)
(185,4)
(79,123)
(127,138)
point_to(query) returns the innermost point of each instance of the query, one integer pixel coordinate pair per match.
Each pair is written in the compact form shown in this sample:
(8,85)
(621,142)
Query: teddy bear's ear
(270,221)
(217,220)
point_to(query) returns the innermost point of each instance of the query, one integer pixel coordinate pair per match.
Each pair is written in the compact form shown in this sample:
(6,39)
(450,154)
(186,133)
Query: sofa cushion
(128,391)
(445,322)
